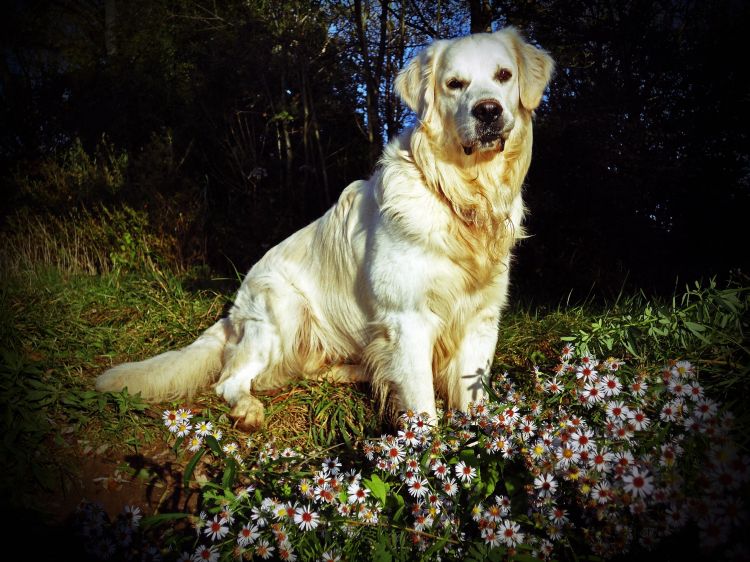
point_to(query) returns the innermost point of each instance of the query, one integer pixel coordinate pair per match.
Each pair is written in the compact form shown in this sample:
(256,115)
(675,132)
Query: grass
(60,330)
(61,327)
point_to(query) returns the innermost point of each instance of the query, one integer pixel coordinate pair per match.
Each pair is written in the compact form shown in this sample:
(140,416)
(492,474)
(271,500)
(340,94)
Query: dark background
(232,124)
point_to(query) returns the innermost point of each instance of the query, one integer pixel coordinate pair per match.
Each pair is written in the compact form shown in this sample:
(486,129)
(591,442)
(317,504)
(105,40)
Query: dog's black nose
(487,111)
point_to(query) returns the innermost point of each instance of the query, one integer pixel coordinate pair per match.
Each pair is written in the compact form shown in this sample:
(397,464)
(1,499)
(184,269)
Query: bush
(103,210)
(73,176)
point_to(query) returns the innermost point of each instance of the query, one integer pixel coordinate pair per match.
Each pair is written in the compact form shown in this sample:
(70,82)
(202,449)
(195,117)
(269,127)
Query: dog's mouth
(486,143)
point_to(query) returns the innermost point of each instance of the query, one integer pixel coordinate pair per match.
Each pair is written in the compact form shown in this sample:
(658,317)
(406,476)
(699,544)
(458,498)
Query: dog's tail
(174,374)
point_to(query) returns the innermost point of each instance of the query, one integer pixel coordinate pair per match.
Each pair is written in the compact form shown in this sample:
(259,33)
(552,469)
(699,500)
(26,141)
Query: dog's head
(469,92)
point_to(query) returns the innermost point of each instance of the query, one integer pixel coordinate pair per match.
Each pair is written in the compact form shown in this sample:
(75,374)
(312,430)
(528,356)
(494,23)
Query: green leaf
(695,328)
(213,444)
(381,552)
(538,358)
(377,488)
(477,552)
(469,457)
(152,520)
(37,395)
(395,503)
(492,475)
(343,497)
(496,554)
(190,468)
(230,473)
(344,435)
(435,548)
(525,558)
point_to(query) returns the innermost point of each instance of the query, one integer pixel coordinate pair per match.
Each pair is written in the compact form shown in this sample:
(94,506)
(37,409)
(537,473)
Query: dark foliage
(239,122)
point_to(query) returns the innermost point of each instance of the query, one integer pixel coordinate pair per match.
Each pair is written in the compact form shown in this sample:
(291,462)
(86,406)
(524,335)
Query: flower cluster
(622,451)
(636,451)
(329,504)
(181,423)
(597,449)
(610,450)
(267,526)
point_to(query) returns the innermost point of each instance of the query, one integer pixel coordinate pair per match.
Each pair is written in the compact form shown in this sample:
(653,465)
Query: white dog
(402,281)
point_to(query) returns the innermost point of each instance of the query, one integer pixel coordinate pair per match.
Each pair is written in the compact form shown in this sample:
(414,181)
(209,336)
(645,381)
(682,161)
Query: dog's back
(307,286)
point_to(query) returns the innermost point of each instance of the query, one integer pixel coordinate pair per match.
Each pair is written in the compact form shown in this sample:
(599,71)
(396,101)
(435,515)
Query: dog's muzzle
(489,126)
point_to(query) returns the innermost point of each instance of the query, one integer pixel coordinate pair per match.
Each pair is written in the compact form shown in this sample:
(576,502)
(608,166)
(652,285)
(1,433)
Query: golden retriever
(402,281)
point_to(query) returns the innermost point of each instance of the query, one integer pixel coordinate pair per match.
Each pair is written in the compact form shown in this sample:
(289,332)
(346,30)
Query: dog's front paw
(248,413)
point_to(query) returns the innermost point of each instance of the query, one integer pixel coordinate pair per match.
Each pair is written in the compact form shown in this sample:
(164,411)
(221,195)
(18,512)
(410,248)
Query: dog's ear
(415,83)
(535,68)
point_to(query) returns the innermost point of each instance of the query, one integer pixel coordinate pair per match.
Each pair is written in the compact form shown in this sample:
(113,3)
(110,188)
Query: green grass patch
(61,329)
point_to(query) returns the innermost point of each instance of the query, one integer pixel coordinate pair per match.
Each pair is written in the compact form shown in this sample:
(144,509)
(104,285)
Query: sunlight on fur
(403,280)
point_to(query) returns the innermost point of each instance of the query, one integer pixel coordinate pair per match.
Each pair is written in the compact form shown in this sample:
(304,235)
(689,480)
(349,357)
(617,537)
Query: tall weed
(101,240)
(705,322)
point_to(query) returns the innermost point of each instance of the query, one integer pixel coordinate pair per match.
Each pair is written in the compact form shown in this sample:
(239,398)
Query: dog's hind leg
(345,373)
(257,352)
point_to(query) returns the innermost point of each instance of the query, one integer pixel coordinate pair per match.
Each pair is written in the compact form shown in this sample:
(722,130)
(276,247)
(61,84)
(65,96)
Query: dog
(402,282)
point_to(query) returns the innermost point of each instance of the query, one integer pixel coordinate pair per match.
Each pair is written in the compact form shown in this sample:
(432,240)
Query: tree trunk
(395,62)
(481,16)
(373,71)
(110,19)
(312,128)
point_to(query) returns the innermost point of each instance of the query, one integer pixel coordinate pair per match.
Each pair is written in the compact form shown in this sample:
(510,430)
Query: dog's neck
(494,178)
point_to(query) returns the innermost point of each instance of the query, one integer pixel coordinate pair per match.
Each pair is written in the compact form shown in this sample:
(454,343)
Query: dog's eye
(455,84)
(503,75)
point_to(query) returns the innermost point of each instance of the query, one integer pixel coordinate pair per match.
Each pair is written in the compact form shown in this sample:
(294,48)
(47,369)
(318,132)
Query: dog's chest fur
(458,252)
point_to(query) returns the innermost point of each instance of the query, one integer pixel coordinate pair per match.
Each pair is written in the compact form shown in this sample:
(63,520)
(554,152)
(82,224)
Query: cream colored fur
(403,280)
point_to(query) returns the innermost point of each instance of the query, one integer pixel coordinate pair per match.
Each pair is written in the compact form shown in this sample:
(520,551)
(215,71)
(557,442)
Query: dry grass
(83,242)
(53,242)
